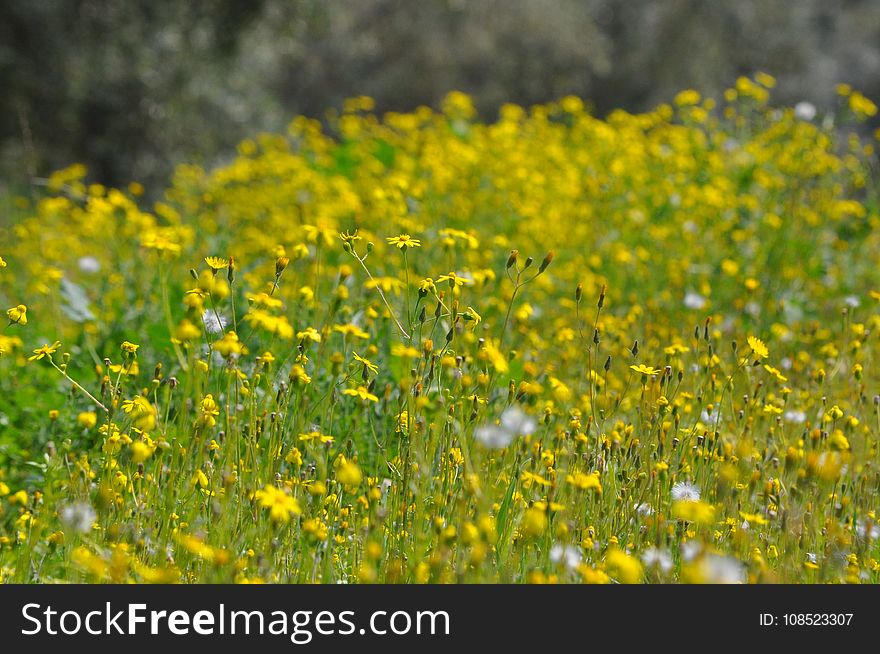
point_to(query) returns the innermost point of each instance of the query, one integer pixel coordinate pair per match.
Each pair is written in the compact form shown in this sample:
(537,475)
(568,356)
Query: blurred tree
(132,87)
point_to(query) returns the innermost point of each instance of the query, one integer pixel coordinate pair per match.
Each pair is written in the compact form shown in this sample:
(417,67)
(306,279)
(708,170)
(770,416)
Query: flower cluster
(425,348)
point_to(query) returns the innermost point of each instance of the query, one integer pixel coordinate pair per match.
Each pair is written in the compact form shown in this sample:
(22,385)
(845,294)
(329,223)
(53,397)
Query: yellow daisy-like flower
(281,505)
(139,406)
(17,315)
(369,365)
(2,263)
(361,392)
(350,237)
(453,279)
(759,348)
(645,370)
(45,351)
(217,263)
(129,347)
(309,334)
(404,241)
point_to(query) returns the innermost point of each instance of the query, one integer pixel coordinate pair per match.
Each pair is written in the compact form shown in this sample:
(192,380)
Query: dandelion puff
(694,300)
(78,516)
(493,436)
(565,554)
(513,419)
(89,264)
(214,323)
(805,111)
(657,558)
(717,569)
(690,550)
(796,417)
(644,509)
(684,491)
(869,530)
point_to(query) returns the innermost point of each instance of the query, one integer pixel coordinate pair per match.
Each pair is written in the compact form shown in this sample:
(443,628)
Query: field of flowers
(424,348)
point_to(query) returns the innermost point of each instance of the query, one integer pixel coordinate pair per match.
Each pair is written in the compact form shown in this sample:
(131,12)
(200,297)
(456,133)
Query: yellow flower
(361,392)
(584,481)
(348,474)
(2,263)
(623,567)
(129,347)
(309,334)
(87,419)
(534,522)
(17,315)
(210,410)
(369,365)
(350,237)
(472,316)
(427,286)
(453,279)
(45,351)
(690,511)
(216,263)
(645,370)
(281,505)
(404,241)
(139,406)
(351,330)
(759,349)
(229,345)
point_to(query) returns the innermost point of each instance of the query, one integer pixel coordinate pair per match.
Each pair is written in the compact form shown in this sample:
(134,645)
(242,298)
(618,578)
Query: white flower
(710,418)
(690,550)
(567,554)
(493,436)
(653,557)
(684,491)
(214,323)
(805,110)
(694,300)
(89,264)
(79,516)
(513,419)
(717,569)
(797,417)
(514,422)
(870,530)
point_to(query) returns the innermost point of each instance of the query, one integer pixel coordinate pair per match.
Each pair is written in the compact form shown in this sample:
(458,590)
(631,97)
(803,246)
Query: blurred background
(133,87)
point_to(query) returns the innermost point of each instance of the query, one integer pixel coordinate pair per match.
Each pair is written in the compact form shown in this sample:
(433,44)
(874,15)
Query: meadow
(425,348)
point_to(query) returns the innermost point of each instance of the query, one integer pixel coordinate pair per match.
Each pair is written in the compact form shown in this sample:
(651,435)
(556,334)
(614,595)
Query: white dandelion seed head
(694,300)
(869,530)
(493,436)
(805,110)
(566,554)
(644,509)
(684,491)
(718,569)
(89,264)
(657,558)
(518,422)
(795,417)
(214,323)
(78,516)
(690,550)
